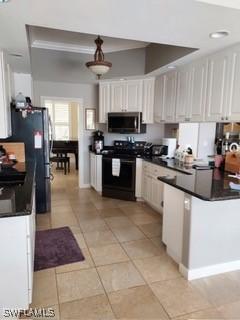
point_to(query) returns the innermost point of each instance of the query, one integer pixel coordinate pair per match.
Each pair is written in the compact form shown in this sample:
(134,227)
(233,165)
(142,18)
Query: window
(59,113)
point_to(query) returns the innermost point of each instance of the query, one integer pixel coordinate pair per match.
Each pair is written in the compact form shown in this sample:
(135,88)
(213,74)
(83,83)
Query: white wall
(87,92)
(23,83)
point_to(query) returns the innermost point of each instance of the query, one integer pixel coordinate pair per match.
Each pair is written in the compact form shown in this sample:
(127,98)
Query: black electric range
(121,185)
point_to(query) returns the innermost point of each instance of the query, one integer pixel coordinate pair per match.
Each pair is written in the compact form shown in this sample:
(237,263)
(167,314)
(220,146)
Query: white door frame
(81,124)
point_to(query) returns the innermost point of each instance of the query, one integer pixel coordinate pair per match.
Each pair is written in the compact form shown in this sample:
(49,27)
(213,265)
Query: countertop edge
(213,199)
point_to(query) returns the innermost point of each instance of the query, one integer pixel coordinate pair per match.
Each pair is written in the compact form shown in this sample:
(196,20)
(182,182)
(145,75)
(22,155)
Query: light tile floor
(126,273)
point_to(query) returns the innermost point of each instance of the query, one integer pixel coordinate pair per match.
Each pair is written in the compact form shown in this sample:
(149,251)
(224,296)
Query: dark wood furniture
(63,161)
(61,147)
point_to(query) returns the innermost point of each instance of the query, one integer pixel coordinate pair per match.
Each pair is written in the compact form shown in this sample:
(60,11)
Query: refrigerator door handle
(51,129)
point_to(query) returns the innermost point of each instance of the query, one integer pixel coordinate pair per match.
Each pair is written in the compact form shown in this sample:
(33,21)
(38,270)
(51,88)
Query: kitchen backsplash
(154,133)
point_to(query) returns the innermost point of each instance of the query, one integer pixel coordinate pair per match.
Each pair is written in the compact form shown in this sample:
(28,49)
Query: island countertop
(209,185)
(16,200)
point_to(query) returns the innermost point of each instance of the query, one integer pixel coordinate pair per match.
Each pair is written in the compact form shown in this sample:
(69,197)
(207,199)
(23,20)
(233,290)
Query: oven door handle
(121,160)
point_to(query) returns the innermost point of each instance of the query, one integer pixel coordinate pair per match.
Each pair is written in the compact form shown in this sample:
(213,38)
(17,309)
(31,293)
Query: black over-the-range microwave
(126,122)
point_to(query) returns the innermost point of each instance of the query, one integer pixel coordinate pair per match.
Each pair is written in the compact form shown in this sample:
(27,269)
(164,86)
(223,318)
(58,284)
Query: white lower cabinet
(173,216)
(17,244)
(152,188)
(96,171)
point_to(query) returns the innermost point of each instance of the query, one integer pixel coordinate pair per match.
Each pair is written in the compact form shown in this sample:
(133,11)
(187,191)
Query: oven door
(126,179)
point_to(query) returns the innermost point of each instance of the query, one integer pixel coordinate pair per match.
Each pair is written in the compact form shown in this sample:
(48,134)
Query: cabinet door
(198,90)
(183,94)
(148,100)
(170,97)
(157,193)
(5,119)
(139,177)
(118,94)
(104,101)
(134,95)
(98,173)
(93,170)
(233,111)
(218,72)
(159,99)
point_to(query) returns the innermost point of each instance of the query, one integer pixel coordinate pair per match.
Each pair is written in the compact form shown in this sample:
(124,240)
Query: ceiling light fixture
(99,66)
(218,34)
(171,67)
(3,1)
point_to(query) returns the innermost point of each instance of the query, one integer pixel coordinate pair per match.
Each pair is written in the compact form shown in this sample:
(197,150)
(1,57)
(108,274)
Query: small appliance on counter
(148,149)
(159,150)
(97,141)
(171,144)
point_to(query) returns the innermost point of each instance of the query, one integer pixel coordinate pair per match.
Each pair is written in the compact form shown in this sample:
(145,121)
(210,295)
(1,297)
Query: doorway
(67,115)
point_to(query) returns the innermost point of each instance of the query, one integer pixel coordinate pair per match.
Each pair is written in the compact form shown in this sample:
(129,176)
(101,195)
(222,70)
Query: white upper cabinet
(5,98)
(170,97)
(233,106)
(148,100)
(159,98)
(217,86)
(127,96)
(104,101)
(198,90)
(207,89)
(183,94)
(134,93)
(118,94)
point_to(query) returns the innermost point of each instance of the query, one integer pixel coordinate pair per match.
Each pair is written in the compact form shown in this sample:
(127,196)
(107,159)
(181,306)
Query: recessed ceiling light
(121,79)
(218,34)
(16,55)
(3,1)
(171,67)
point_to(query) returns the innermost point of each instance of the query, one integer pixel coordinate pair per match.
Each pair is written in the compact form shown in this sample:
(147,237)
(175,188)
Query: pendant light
(99,66)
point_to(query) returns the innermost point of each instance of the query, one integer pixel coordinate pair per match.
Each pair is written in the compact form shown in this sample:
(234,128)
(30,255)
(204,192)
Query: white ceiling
(60,40)
(176,22)
(225,3)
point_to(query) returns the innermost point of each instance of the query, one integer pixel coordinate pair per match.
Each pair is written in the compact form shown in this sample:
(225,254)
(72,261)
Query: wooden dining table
(61,147)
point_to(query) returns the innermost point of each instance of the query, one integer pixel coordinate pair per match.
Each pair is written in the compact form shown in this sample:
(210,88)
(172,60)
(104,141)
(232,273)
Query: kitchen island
(17,235)
(201,222)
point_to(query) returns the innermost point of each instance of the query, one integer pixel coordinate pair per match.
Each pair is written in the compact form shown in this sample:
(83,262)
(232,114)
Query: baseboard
(192,274)
(85,186)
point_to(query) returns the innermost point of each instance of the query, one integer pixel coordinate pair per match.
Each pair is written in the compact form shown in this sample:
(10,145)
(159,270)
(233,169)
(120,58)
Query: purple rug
(56,247)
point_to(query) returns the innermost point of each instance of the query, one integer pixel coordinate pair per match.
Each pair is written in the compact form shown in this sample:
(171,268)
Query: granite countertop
(16,200)
(171,164)
(208,185)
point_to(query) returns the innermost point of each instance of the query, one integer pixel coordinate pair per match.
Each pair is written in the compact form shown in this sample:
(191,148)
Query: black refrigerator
(33,130)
